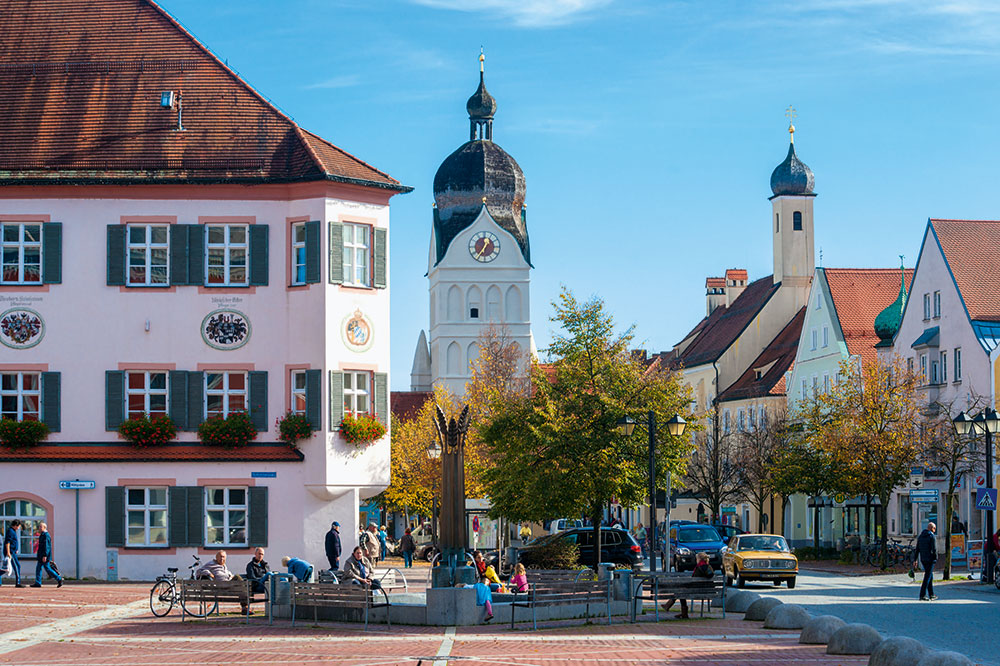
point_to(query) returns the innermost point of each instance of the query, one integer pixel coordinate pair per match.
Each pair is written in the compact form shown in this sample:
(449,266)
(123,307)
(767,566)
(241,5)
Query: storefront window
(905,515)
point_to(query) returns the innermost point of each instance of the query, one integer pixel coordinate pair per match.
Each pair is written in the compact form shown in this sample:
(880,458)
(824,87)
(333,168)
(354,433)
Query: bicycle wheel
(200,608)
(161,598)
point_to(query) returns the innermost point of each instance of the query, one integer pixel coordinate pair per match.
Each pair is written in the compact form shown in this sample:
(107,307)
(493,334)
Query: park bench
(390,579)
(208,594)
(346,595)
(561,593)
(677,586)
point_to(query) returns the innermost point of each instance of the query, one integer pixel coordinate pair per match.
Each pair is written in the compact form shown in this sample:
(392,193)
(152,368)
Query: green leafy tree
(555,450)
(800,466)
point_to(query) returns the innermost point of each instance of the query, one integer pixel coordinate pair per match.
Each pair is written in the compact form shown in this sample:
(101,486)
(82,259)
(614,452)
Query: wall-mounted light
(167,99)
(147,326)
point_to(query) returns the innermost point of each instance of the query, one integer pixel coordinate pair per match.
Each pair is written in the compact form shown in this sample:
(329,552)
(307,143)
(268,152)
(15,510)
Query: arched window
(454,365)
(796,221)
(471,354)
(513,304)
(474,303)
(494,308)
(455,304)
(30,515)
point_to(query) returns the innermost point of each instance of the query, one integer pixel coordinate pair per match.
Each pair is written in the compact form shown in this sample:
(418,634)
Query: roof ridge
(342,151)
(946,219)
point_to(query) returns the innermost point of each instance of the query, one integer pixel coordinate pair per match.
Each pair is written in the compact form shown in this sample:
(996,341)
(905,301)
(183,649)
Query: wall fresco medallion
(357,332)
(225,329)
(21,328)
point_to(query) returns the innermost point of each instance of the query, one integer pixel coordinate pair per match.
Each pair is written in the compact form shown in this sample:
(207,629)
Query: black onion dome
(478,173)
(792,176)
(481,106)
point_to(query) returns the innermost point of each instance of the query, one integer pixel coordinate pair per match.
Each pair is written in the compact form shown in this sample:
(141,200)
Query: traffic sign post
(986,499)
(76,485)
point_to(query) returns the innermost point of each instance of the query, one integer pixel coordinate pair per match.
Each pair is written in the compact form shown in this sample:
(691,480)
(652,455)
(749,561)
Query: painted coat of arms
(21,328)
(357,331)
(225,329)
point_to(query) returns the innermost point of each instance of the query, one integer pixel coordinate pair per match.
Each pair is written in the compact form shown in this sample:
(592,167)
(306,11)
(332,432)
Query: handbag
(5,568)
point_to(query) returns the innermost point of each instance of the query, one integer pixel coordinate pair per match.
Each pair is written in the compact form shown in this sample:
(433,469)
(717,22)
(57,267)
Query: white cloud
(342,81)
(525,13)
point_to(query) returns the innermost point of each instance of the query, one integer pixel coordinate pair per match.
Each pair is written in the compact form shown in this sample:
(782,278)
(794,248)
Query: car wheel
(777,583)
(791,583)
(740,580)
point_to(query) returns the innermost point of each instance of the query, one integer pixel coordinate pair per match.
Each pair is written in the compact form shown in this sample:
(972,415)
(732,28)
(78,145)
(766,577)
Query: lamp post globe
(991,420)
(676,425)
(962,423)
(626,425)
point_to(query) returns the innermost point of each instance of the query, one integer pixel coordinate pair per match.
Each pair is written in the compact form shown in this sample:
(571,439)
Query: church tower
(480,257)
(792,183)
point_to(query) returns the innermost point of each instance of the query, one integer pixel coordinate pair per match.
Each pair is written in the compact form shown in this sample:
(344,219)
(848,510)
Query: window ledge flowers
(22,434)
(292,428)
(361,429)
(143,431)
(232,432)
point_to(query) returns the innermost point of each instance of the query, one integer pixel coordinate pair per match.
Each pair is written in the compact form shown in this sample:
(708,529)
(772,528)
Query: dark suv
(689,539)
(617,546)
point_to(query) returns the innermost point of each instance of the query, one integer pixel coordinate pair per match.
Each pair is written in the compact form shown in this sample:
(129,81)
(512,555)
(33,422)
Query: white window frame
(29,523)
(147,507)
(826,336)
(819,301)
(351,392)
(147,247)
(20,393)
(923,368)
(927,306)
(813,337)
(354,253)
(805,388)
(958,364)
(937,304)
(147,391)
(935,367)
(826,382)
(298,258)
(226,392)
(741,421)
(228,509)
(815,385)
(21,244)
(297,393)
(944,367)
(228,247)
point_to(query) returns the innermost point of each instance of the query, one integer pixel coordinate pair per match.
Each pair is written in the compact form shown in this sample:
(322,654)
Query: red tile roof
(736,274)
(404,405)
(859,295)
(80,84)
(113,452)
(779,354)
(715,282)
(970,247)
(721,328)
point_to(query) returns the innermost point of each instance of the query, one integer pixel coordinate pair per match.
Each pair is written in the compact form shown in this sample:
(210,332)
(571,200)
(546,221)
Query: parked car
(689,539)
(759,557)
(727,532)
(617,546)
(563,524)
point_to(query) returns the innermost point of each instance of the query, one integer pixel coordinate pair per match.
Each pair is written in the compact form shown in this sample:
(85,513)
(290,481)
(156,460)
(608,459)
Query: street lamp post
(434,453)
(675,426)
(988,423)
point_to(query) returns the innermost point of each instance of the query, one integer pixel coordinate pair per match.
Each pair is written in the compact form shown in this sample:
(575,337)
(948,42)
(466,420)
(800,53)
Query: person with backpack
(44,555)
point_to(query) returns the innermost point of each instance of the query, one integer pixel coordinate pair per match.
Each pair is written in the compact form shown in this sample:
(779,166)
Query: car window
(698,534)
(610,538)
(763,542)
(585,537)
(569,538)
(733,542)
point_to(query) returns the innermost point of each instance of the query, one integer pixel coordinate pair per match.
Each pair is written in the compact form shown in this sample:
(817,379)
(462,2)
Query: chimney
(715,293)
(736,282)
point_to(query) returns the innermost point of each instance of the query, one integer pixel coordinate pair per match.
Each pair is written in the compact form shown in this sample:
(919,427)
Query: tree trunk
(596,518)
(948,512)
(884,525)
(816,522)
(771,521)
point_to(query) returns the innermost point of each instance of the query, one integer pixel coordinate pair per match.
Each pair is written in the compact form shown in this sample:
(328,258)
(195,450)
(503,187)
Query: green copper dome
(888,321)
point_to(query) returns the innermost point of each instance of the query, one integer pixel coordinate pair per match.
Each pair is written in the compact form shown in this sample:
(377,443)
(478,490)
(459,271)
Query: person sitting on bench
(358,570)
(216,570)
(702,569)
(258,571)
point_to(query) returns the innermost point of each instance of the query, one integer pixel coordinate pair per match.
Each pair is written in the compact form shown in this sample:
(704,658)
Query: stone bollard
(759,609)
(819,629)
(898,651)
(787,616)
(739,602)
(854,638)
(944,659)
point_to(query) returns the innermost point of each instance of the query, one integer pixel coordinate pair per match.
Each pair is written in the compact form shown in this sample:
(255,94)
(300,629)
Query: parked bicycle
(165,594)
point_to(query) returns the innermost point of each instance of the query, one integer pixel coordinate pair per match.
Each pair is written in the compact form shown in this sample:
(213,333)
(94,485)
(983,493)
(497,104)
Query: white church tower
(480,260)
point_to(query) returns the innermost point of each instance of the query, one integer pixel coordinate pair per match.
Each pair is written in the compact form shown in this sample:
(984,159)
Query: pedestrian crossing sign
(986,499)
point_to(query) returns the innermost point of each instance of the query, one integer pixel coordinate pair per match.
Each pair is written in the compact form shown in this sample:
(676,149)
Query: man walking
(44,554)
(333,546)
(11,546)
(927,550)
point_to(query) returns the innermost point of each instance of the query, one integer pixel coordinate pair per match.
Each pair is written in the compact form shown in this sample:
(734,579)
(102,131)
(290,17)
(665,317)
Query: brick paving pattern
(88,625)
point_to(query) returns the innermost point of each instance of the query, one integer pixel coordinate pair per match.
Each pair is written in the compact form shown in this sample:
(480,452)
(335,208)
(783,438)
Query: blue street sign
(986,499)
(77,485)
(926,496)
(263,475)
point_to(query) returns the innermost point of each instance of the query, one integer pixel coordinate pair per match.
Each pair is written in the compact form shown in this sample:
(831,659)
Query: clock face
(484,246)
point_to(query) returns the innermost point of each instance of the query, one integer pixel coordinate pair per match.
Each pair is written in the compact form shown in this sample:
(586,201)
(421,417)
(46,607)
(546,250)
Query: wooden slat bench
(346,595)
(677,586)
(560,593)
(210,593)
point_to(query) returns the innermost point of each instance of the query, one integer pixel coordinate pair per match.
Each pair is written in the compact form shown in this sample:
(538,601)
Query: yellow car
(759,557)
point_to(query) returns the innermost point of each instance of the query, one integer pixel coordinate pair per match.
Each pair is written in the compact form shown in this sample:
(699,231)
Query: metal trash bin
(281,588)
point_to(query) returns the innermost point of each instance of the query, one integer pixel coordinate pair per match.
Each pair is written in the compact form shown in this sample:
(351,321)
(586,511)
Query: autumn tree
(556,451)
(758,445)
(802,466)
(712,472)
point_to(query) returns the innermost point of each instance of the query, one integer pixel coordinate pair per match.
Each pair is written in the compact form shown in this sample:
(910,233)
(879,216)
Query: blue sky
(647,129)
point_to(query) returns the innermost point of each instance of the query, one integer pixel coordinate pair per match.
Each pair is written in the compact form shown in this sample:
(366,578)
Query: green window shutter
(116,255)
(114,399)
(195,254)
(258,516)
(52,400)
(195,515)
(314,396)
(177,516)
(258,400)
(52,253)
(382,397)
(313,255)
(336,399)
(195,399)
(379,278)
(336,253)
(114,521)
(178,389)
(258,254)
(178,254)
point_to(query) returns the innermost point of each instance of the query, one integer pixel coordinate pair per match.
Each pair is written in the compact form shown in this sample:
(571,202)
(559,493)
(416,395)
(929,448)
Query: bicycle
(164,594)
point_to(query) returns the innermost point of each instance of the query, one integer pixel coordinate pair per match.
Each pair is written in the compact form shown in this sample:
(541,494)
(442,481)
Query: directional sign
(77,485)
(925,496)
(986,499)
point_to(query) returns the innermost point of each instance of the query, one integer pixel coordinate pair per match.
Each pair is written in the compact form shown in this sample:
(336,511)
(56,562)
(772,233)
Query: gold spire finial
(482,60)
(791,114)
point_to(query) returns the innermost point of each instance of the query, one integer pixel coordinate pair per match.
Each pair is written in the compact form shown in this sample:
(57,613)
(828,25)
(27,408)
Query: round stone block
(787,616)
(944,659)
(739,602)
(759,609)
(854,639)
(819,629)
(898,651)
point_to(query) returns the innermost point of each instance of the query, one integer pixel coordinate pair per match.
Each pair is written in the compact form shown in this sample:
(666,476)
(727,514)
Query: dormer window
(758,373)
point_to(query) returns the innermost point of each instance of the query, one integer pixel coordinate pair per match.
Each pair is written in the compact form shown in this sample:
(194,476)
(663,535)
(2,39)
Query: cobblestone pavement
(88,625)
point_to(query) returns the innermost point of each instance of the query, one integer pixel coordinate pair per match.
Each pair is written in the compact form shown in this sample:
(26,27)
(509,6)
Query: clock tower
(480,258)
